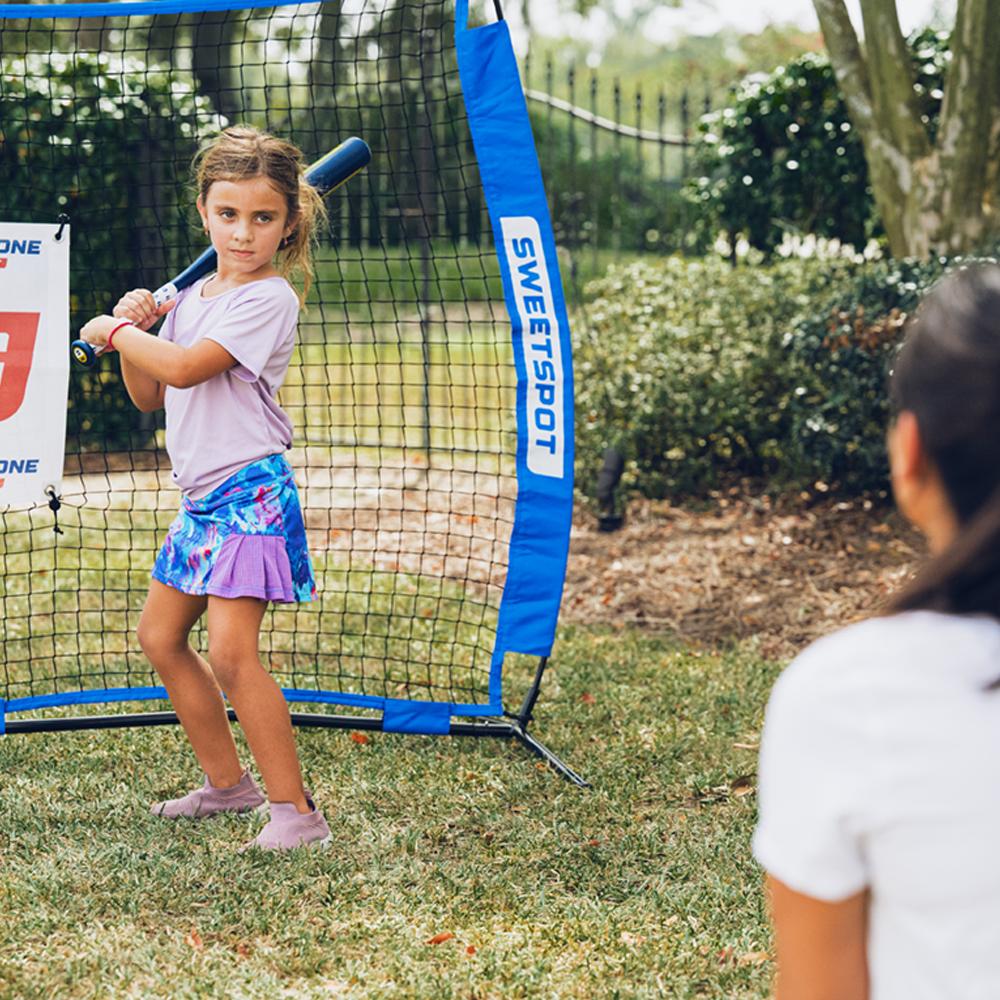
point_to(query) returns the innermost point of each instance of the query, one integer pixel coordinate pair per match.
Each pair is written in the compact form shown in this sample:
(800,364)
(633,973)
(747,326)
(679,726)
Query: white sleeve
(814,766)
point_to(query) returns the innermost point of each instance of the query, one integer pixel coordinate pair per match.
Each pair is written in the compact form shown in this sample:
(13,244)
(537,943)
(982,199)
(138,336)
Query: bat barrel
(339,165)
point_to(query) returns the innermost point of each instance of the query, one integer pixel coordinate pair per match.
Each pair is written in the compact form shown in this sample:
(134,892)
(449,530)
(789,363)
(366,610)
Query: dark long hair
(948,375)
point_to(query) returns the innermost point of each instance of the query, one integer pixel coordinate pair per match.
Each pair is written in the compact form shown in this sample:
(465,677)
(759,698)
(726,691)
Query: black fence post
(638,130)
(595,228)
(572,208)
(548,90)
(661,125)
(616,198)
(685,130)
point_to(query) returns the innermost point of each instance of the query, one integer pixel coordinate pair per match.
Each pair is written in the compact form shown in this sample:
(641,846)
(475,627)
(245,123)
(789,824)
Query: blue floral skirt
(246,538)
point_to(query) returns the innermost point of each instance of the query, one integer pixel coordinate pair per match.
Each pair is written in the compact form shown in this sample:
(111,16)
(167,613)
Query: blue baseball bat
(335,168)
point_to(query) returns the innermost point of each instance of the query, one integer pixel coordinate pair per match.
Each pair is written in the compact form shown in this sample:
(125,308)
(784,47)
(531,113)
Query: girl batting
(239,539)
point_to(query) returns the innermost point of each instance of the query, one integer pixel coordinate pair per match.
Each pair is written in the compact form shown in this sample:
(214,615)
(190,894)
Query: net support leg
(519,729)
(528,705)
(526,739)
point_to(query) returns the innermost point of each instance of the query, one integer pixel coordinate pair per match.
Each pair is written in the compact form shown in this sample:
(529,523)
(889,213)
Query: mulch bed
(782,571)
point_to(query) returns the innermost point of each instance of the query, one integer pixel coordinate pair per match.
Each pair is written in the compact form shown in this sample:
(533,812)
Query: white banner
(34,360)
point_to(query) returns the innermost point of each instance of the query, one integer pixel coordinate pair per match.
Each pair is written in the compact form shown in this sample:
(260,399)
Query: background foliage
(783,155)
(612,197)
(682,366)
(703,373)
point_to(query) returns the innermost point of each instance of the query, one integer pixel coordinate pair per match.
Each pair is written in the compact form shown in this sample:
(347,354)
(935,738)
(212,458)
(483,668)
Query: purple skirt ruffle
(245,539)
(252,566)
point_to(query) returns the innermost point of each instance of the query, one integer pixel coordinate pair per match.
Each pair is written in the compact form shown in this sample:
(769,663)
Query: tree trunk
(938,197)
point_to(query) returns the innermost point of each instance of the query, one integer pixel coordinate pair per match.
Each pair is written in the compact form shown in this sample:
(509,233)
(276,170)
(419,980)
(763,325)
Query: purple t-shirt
(216,428)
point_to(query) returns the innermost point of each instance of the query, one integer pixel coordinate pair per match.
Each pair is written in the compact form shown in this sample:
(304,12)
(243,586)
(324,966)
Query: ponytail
(965,578)
(295,253)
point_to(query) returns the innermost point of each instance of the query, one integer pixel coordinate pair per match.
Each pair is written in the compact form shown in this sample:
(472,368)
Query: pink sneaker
(209,800)
(288,828)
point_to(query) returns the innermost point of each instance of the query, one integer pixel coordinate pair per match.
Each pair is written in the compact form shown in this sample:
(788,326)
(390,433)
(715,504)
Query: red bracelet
(126,322)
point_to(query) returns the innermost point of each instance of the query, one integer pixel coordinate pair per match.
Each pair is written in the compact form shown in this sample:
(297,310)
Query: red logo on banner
(17,346)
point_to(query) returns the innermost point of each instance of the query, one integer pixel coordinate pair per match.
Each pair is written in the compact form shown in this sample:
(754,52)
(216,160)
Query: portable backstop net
(431,390)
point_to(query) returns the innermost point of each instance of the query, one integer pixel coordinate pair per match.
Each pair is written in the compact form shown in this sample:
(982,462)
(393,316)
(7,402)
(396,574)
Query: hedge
(703,374)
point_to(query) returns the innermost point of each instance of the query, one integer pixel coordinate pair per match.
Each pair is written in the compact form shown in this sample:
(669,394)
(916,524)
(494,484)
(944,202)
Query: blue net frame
(431,390)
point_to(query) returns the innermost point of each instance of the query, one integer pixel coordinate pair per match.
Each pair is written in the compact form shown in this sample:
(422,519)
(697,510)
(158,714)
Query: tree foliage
(784,155)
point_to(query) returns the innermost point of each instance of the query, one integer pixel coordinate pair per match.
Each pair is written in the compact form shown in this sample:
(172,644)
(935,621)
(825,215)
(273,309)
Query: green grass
(640,886)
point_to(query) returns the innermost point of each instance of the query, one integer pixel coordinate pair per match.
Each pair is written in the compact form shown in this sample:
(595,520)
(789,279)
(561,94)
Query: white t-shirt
(880,768)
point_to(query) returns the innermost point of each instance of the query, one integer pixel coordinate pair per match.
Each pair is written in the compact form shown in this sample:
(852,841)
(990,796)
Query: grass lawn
(639,886)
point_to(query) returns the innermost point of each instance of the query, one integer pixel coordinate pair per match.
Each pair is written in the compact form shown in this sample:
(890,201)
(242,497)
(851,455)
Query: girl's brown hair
(948,375)
(242,152)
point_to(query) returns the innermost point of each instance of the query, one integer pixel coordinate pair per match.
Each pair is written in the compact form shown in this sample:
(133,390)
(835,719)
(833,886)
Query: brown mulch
(784,572)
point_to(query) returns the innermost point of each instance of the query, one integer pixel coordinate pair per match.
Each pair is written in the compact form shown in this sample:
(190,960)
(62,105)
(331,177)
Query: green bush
(681,364)
(784,156)
(702,373)
(108,141)
(839,355)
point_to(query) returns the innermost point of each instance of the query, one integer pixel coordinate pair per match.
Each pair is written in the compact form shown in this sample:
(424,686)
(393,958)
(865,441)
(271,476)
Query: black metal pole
(489,728)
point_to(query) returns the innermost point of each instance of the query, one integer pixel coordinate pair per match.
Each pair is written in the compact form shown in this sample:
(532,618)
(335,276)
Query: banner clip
(54,505)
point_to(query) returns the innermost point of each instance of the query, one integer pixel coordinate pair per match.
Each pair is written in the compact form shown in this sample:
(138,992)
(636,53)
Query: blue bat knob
(84,354)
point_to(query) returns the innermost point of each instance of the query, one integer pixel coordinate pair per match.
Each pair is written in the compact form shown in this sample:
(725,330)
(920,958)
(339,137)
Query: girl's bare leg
(167,619)
(233,644)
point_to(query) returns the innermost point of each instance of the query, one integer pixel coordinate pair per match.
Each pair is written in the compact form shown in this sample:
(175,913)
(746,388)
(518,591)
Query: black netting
(401,390)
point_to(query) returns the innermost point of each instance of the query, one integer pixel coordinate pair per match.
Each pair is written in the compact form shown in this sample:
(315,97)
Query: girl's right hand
(139,307)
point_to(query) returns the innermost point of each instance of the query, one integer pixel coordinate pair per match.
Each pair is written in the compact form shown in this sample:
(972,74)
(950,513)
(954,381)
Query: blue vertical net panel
(412,401)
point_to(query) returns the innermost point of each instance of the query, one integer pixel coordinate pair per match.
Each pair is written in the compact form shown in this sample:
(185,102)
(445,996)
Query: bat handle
(84,353)
(165,293)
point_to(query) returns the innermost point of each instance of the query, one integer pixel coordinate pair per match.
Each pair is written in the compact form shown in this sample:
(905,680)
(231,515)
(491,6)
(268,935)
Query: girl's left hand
(96,331)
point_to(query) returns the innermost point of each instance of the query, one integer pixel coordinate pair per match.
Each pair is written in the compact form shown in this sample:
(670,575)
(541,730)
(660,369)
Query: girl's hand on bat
(96,331)
(139,307)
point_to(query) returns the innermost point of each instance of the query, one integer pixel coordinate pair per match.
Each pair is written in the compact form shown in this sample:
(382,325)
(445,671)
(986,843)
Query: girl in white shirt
(880,758)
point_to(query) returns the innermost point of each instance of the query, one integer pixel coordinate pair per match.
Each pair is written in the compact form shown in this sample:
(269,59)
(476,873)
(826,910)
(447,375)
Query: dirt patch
(783,572)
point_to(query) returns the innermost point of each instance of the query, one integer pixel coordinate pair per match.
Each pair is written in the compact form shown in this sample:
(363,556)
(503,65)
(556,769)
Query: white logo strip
(539,335)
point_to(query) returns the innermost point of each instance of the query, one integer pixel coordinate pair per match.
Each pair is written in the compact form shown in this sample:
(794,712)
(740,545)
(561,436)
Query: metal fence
(613,160)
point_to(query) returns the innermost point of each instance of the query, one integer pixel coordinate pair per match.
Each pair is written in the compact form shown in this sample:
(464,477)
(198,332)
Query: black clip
(63,221)
(54,505)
